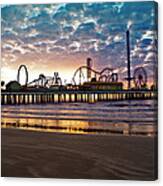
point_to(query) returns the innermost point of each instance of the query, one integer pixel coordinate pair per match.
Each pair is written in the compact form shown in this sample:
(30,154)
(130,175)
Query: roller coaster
(46,81)
(106,75)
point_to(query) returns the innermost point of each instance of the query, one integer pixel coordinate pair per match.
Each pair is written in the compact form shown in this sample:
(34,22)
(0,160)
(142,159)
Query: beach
(28,153)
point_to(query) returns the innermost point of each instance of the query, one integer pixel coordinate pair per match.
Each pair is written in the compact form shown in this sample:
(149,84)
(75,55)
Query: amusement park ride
(85,77)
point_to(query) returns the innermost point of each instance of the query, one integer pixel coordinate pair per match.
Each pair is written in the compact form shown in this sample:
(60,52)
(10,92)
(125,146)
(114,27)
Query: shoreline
(59,155)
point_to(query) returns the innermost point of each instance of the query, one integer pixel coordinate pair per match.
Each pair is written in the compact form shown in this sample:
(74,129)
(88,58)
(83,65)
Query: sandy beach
(43,154)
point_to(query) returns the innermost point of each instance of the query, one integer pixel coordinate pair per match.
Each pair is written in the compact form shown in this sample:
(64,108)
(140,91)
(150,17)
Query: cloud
(150,57)
(96,29)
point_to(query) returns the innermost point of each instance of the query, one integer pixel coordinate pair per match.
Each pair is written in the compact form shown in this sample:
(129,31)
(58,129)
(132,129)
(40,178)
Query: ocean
(134,117)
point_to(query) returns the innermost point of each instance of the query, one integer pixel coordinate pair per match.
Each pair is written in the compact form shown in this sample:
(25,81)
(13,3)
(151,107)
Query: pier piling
(13,98)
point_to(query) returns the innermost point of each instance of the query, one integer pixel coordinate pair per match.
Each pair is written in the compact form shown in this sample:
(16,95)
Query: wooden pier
(16,98)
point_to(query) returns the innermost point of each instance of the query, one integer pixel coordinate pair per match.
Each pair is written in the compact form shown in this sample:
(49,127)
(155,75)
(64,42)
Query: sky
(50,38)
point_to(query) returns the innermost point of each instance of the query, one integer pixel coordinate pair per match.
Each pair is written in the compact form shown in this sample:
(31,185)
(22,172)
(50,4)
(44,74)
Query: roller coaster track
(45,81)
(101,73)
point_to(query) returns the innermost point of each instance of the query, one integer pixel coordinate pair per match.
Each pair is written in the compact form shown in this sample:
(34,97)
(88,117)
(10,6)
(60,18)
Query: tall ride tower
(89,65)
(129,78)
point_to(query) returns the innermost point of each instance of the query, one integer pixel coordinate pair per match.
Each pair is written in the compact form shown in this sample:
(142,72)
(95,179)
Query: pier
(43,97)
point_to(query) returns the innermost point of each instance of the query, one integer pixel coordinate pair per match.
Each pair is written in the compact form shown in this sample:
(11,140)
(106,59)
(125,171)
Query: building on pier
(13,86)
(97,85)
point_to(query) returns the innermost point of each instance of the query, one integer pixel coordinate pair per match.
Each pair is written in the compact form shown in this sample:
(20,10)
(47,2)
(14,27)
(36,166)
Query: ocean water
(103,118)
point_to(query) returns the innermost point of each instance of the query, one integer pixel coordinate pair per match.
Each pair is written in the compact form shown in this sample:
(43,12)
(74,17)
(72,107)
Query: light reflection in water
(77,127)
(127,118)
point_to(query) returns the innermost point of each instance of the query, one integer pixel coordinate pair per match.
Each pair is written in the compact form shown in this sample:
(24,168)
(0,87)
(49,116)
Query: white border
(60,1)
(70,182)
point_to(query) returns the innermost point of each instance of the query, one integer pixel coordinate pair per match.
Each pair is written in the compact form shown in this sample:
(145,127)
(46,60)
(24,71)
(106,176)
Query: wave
(84,116)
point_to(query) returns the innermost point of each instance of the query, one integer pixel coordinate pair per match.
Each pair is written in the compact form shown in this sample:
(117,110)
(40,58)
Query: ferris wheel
(140,77)
(26,74)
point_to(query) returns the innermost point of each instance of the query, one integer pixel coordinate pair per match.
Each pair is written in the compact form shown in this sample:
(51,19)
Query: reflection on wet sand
(77,127)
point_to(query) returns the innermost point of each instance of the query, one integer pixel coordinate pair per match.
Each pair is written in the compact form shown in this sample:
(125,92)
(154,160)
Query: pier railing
(90,96)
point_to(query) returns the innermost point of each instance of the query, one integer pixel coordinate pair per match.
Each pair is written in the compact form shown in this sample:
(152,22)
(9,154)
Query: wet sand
(55,155)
